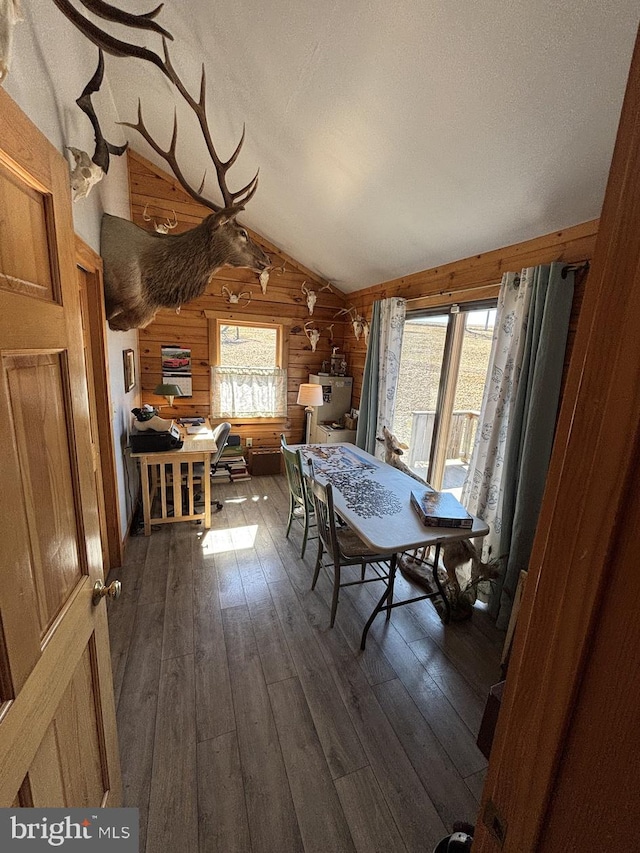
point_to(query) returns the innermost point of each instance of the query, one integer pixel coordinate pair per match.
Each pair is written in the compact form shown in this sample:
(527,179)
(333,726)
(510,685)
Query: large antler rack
(234,201)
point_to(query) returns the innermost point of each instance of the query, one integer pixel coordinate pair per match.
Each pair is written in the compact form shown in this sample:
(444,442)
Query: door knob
(100,591)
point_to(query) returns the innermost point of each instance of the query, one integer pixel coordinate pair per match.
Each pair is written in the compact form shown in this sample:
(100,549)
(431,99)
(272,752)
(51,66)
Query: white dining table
(373,498)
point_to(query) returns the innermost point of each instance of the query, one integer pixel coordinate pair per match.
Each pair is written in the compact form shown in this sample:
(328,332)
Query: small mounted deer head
(236,298)
(312,334)
(264,280)
(160,227)
(84,175)
(357,321)
(312,295)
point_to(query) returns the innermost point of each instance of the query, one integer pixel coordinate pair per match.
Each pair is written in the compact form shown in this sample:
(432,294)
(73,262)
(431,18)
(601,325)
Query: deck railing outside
(464,423)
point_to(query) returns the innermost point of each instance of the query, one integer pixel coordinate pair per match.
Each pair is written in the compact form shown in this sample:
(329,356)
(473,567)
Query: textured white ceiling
(392,137)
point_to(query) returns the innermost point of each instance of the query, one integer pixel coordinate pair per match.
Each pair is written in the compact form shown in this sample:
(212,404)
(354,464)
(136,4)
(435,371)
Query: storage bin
(266,460)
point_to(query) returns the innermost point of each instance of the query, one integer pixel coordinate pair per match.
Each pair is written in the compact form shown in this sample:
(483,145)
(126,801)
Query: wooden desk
(160,470)
(374,500)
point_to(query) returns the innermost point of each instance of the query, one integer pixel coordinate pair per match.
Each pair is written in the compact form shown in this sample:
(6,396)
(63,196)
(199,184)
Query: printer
(155,441)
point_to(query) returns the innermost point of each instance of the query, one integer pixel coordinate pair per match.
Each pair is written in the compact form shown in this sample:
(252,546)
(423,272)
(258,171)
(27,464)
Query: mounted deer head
(90,171)
(9,16)
(143,270)
(357,321)
(312,334)
(235,298)
(160,227)
(142,273)
(312,295)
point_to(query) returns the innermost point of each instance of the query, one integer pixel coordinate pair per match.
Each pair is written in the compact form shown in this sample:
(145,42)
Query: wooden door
(564,771)
(58,743)
(89,271)
(93,419)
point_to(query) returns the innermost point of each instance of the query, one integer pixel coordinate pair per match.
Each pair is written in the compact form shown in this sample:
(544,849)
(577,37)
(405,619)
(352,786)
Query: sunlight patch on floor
(229,539)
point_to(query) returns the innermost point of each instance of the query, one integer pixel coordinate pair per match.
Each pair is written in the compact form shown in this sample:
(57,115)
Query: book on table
(196,429)
(440,509)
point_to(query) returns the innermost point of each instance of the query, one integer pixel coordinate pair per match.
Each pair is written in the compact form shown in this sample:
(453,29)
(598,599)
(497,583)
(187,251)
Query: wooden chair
(300,504)
(343,547)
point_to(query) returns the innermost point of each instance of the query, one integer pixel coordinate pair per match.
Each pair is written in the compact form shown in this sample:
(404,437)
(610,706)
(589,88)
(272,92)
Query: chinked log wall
(150,186)
(475,278)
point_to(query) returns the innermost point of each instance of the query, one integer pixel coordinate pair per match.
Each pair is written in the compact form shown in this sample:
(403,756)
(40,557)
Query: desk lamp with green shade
(168,390)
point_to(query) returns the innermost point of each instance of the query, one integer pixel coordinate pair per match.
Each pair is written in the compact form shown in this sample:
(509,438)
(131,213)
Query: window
(445,353)
(248,360)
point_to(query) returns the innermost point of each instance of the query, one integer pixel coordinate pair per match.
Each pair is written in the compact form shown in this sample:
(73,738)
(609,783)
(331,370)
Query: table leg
(379,606)
(146,499)
(441,590)
(207,490)
(392,580)
(176,476)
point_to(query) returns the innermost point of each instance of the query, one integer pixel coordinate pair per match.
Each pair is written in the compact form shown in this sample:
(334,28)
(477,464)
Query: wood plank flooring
(246,725)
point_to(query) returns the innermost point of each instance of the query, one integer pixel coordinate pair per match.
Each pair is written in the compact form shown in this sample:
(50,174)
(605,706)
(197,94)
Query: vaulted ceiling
(393,137)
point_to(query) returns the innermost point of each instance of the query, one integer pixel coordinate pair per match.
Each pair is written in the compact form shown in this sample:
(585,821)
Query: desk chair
(221,437)
(343,546)
(300,504)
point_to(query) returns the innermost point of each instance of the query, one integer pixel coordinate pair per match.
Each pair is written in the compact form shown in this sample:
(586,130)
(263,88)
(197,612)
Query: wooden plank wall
(164,195)
(473,278)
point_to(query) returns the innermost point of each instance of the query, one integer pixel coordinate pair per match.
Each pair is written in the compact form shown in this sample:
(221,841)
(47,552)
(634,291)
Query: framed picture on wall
(176,367)
(129,362)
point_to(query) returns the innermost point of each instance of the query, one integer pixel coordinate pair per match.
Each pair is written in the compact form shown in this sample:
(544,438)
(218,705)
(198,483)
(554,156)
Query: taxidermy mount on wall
(160,227)
(144,270)
(89,171)
(312,295)
(359,324)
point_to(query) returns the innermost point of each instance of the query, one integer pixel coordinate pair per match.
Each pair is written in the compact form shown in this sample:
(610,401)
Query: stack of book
(231,467)
(440,509)
(237,468)
(221,474)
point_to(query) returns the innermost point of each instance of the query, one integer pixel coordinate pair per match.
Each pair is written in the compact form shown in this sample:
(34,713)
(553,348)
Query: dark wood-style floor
(247,725)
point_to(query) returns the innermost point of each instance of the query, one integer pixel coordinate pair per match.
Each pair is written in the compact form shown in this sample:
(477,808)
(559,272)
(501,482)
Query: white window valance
(249,392)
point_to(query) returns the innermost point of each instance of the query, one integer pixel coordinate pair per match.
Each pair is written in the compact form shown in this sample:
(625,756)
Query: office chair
(300,503)
(343,546)
(221,437)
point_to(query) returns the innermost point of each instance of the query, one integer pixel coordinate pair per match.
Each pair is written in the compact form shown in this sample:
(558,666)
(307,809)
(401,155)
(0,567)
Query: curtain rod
(578,266)
(449,291)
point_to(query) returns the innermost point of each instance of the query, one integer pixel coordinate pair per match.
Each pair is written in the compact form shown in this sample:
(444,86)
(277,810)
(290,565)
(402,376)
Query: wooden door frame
(581,520)
(91,263)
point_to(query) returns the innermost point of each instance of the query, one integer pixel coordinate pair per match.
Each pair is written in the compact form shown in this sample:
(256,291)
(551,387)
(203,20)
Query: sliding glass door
(443,370)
